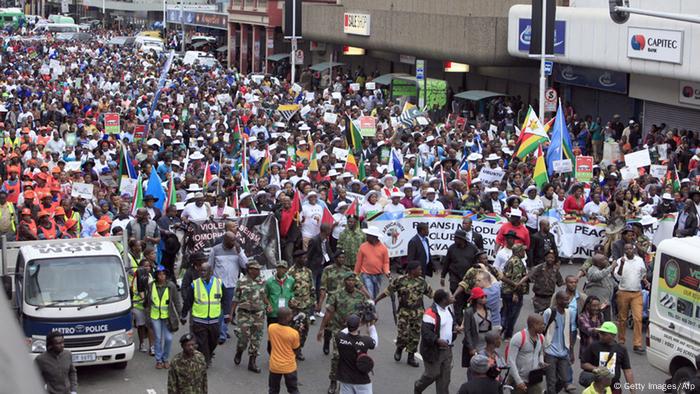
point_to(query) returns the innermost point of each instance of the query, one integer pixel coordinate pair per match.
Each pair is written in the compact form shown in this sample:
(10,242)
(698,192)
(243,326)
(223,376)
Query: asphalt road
(140,376)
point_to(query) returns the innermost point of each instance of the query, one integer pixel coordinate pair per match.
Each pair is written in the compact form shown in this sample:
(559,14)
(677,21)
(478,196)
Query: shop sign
(689,93)
(525,32)
(593,78)
(357,24)
(655,44)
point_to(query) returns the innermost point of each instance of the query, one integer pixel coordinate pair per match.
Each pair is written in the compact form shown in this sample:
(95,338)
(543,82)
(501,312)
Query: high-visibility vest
(32,226)
(136,298)
(12,215)
(159,305)
(13,191)
(75,216)
(49,233)
(207,305)
(13,144)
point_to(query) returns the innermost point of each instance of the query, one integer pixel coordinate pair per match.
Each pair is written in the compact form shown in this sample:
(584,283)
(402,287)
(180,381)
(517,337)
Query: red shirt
(520,230)
(572,204)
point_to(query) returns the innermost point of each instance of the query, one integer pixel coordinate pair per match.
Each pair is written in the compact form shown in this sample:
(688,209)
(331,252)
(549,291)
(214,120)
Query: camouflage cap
(282,263)
(253,265)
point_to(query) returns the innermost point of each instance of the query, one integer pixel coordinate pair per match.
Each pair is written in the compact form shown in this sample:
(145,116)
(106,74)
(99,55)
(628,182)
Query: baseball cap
(480,364)
(477,293)
(608,327)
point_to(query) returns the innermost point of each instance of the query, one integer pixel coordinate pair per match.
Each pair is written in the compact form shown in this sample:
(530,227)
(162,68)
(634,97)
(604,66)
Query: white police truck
(77,287)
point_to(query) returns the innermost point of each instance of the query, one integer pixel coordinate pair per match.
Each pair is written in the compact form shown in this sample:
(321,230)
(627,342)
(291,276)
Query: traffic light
(619,16)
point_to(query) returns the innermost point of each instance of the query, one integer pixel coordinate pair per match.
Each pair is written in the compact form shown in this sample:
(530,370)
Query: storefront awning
(325,66)
(277,57)
(387,78)
(476,95)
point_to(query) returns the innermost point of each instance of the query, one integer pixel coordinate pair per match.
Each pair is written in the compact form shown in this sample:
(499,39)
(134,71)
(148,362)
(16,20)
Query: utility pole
(294,40)
(543,77)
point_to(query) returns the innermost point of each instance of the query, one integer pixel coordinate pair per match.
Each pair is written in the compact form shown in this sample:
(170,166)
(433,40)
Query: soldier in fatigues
(188,371)
(545,279)
(469,280)
(251,301)
(331,281)
(303,299)
(340,305)
(410,288)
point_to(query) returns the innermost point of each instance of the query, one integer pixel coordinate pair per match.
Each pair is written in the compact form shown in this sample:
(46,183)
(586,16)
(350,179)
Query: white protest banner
(492,132)
(340,153)
(330,117)
(422,120)
(658,171)
(128,186)
(310,96)
(577,240)
(638,159)
(370,86)
(662,229)
(355,87)
(224,98)
(337,95)
(348,103)
(296,88)
(611,152)
(663,151)
(72,166)
(108,180)
(488,175)
(368,126)
(563,166)
(180,98)
(82,190)
(305,110)
(629,173)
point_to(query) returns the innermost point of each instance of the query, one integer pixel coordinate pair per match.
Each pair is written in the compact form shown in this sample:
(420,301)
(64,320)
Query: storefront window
(262,4)
(249,4)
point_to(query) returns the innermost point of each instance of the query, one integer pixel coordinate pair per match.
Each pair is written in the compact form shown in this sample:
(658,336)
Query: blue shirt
(573,308)
(207,285)
(557,348)
(426,247)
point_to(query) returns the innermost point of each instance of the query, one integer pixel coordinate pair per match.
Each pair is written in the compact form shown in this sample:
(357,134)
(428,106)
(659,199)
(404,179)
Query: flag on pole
(361,171)
(208,176)
(235,204)
(329,195)
(327,216)
(353,209)
(126,166)
(540,172)
(408,113)
(137,202)
(532,135)
(171,197)
(443,180)
(351,164)
(353,136)
(396,164)
(465,167)
(265,165)
(560,147)
(288,110)
(673,179)
(155,189)
(289,164)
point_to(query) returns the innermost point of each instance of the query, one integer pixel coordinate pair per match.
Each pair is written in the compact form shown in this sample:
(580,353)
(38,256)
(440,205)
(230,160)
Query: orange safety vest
(32,226)
(13,191)
(49,233)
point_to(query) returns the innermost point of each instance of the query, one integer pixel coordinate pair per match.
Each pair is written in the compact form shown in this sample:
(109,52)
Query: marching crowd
(225,145)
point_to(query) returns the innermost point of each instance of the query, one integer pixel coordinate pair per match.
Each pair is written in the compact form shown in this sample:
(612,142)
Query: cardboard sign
(563,166)
(629,173)
(128,186)
(305,110)
(422,120)
(340,153)
(638,159)
(663,151)
(488,175)
(337,95)
(658,171)
(370,86)
(139,133)
(82,190)
(310,96)
(72,166)
(355,87)
(584,168)
(368,126)
(296,88)
(108,180)
(112,123)
(330,117)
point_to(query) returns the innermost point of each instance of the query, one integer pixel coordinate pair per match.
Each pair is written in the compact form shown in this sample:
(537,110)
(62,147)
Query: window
(249,4)
(262,5)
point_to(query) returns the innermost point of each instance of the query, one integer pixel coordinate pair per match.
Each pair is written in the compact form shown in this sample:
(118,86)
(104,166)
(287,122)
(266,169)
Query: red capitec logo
(638,42)
(688,91)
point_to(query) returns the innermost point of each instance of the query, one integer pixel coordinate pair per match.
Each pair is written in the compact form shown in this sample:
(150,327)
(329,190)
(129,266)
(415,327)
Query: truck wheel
(121,365)
(680,377)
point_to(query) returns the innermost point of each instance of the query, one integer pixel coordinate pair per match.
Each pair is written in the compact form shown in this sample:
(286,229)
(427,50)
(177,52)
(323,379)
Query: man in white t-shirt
(197,212)
(311,215)
(395,204)
(534,207)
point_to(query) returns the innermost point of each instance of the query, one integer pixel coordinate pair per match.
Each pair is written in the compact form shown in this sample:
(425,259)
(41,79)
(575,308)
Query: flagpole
(218,174)
(561,133)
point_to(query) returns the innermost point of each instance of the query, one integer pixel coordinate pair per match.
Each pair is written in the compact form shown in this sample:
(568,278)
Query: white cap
(492,157)
(312,194)
(252,139)
(397,194)
(244,195)
(492,190)
(531,187)
(475,156)
(430,138)
(346,175)
(153,141)
(332,172)
(516,213)
(374,231)
(341,205)
(175,163)
(198,195)
(667,196)
(476,180)
(430,190)
(304,127)
(197,156)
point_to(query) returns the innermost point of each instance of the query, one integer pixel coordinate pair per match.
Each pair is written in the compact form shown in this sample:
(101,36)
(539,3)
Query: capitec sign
(655,44)
(525,32)
(689,93)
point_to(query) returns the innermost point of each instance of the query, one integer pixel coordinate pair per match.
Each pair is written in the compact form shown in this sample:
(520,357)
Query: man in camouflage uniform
(303,299)
(410,288)
(545,279)
(643,243)
(251,301)
(350,240)
(340,304)
(188,371)
(332,280)
(469,280)
(514,288)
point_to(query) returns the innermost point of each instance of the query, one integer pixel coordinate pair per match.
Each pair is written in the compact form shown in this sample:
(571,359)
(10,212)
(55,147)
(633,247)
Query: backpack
(522,342)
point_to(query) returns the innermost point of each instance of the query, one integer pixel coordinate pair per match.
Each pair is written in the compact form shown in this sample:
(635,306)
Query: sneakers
(152,351)
(320,314)
(312,319)
(143,348)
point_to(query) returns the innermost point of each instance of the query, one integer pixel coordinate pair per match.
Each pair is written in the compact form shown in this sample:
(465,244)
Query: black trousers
(459,303)
(290,380)
(207,338)
(270,320)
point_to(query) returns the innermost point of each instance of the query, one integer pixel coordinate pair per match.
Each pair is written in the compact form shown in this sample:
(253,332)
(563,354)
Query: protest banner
(489,175)
(563,166)
(309,96)
(340,153)
(638,159)
(584,168)
(305,110)
(82,190)
(658,171)
(330,117)
(355,87)
(72,166)
(337,96)
(370,86)
(663,151)
(127,186)
(112,123)
(629,173)
(139,133)
(611,152)
(257,234)
(108,180)
(368,126)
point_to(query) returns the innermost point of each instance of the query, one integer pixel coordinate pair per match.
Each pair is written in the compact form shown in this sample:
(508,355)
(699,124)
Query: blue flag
(560,147)
(396,163)
(155,188)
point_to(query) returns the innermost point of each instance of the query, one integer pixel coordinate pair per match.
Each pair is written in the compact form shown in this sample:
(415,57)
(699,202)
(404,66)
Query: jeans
(163,339)
(373,283)
(347,388)
(290,380)
(226,303)
(557,373)
(509,313)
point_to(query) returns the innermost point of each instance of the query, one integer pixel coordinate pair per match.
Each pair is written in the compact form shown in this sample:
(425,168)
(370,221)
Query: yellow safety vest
(159,306)
(12,213)
(136,298)
(207,305)
(76,216)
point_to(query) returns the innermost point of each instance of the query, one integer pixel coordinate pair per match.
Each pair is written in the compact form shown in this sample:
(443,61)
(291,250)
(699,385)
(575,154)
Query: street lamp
(620,12)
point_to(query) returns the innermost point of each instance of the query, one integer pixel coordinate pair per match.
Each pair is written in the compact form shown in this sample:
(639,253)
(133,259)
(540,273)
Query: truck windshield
(74,281)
